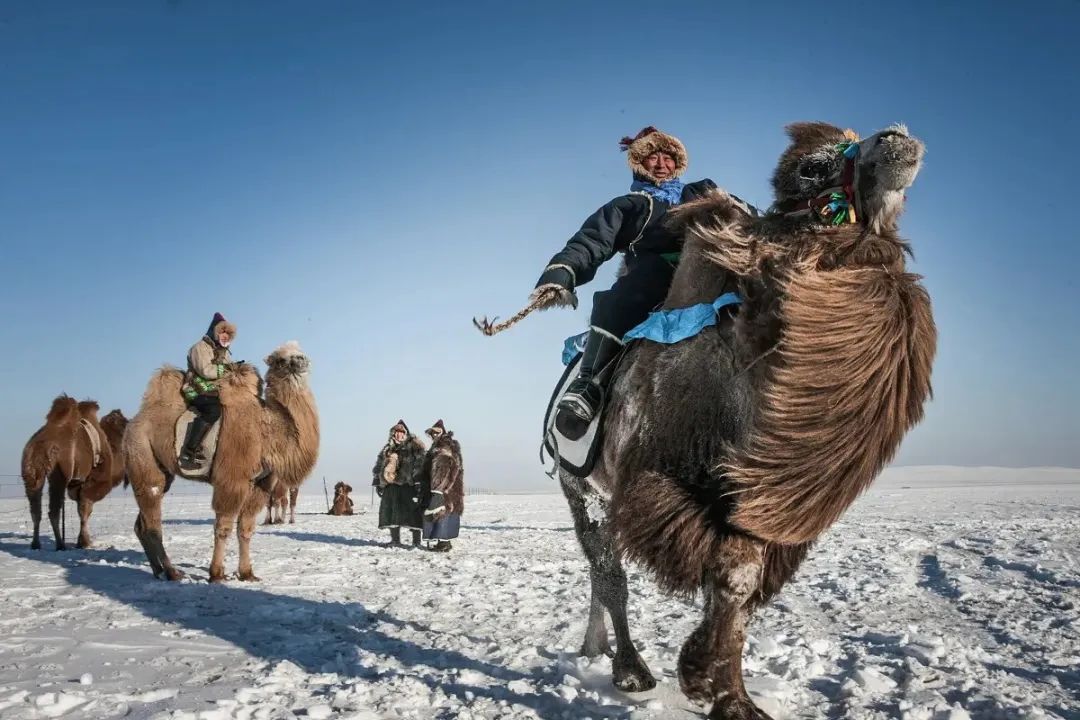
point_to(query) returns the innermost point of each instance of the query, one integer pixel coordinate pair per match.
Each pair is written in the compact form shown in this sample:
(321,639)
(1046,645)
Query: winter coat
(399,464)
(632,223)
(444,474)
(207,363)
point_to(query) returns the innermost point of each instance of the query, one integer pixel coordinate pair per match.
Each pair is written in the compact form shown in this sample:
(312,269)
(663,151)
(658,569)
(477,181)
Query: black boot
(584,397)
(191,457)
(416,538)
(395,536)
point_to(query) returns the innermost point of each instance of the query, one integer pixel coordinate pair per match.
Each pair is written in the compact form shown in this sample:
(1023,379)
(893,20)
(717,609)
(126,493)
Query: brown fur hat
(437,426)
(218,325)
(399,425)
(649,141)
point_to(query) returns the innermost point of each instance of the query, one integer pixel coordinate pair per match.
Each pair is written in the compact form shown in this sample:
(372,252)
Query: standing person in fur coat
(396,480)
(442,487)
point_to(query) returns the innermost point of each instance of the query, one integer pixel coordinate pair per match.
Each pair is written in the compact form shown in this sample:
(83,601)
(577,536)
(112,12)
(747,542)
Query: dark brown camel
(727,454)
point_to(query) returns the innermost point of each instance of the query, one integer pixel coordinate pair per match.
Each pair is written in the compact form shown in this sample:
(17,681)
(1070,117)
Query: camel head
(825,168)
(114,422)
(288,362)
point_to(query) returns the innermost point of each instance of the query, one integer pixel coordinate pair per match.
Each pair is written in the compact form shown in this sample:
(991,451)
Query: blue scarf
(670,191)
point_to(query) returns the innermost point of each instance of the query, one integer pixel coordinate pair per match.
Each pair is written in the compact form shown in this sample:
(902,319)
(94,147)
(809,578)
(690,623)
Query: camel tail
(850,378)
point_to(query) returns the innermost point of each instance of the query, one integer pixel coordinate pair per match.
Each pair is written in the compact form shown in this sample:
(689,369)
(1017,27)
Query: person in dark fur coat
(632,224)
(442,484)
(396,478)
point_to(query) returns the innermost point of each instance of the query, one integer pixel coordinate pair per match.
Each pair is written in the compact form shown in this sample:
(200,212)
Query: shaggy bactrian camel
(725,455)
(274,439)
(71,450)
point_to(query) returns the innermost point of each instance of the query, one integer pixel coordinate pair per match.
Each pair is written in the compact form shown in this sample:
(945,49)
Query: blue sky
(365,178)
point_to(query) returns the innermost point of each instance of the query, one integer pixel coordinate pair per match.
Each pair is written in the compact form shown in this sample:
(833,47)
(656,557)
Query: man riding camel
(208,361)
(632,224)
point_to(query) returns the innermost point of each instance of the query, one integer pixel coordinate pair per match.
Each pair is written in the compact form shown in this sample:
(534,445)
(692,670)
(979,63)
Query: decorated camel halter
(839,204)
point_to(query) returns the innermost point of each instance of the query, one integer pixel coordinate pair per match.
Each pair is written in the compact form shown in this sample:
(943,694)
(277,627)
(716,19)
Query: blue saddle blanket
(663,326)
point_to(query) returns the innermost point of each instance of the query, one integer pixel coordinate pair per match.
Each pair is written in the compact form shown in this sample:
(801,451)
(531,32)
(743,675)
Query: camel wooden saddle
(208,447)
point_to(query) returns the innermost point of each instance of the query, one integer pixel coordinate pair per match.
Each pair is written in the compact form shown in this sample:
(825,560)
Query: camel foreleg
(34,491)
(86,507)
(245,530)
(710,663)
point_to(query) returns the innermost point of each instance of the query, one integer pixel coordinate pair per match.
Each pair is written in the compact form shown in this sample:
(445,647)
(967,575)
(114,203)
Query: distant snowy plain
(943,594)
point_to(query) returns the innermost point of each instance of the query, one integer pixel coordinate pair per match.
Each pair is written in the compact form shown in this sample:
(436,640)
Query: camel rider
(208,361)
(632,224)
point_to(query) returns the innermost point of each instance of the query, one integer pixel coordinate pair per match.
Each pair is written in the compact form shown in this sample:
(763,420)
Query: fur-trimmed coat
(444,473)
(399,464)
(629,223)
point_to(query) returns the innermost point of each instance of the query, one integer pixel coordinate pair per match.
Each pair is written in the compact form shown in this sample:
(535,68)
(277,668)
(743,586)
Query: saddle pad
(209,446)
(575,456)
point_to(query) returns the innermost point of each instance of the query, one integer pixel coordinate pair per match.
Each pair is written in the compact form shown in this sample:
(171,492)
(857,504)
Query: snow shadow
(317,636)
(330,539)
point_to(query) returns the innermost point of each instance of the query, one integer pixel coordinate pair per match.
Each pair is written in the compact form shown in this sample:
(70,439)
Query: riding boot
(585,395)
(395,536)
(191,457)
(416,538)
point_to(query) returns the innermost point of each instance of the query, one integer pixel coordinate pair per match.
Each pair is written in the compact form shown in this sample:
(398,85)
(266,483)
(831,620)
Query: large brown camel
(278,435)
(70,449)
(101,480)
(727,454)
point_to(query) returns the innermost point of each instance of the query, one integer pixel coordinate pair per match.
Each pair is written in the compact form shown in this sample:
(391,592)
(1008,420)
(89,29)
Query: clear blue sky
(366,177)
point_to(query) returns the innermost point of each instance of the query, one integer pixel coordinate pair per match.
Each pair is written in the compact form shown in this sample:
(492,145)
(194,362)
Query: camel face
(888,163)
(288,361)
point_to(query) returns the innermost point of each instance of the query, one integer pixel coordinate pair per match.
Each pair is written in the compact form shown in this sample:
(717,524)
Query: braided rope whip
(490,327)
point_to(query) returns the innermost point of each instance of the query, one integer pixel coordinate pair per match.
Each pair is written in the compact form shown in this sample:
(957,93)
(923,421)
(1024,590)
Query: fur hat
(437,426)
(220,324)
(647,142)
(399,425)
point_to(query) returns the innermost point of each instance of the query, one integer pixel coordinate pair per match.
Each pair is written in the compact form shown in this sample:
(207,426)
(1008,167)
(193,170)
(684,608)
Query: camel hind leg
(57,486)
(86,507)
(293,493)
(34,490)
(609,591)
(149,486)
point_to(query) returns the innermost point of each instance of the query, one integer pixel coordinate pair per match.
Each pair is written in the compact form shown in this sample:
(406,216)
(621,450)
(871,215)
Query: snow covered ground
(943,594)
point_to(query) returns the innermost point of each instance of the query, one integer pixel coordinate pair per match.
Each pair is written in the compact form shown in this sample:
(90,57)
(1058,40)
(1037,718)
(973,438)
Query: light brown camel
(282,499)
(67,450)
(278,434)
(102,479)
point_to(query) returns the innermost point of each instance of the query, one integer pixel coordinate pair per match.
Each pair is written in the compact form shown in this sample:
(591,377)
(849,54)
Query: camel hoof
(35,544)
(84,544)
(737,708)
(631,674)
(292,521)
(61,546)
(172,574)
(248,576)
(217,577)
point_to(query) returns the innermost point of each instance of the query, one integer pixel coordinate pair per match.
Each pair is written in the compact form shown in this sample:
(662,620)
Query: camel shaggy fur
(70,450)
(727,454)
(274,439)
